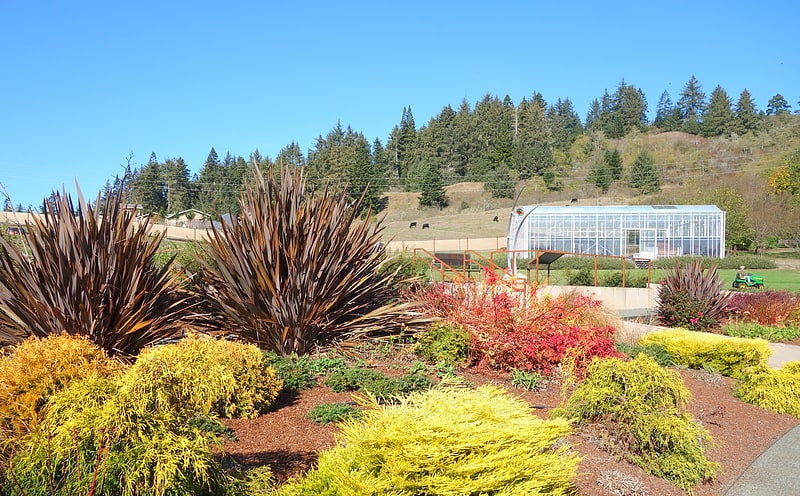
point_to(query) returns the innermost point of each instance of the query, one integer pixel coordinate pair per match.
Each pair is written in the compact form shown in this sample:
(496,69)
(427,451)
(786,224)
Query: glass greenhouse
(632,231)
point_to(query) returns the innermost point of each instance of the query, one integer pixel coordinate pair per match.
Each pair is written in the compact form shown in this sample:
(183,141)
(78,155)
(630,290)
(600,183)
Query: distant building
(633,231)
(188,218)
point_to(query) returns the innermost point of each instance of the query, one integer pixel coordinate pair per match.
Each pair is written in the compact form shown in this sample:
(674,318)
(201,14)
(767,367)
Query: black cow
(412,225)
(496,219)
(574,200)
(426,226)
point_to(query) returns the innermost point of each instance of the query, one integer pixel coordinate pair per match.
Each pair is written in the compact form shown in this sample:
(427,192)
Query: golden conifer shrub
(447,440)
(203,374)
(36,369)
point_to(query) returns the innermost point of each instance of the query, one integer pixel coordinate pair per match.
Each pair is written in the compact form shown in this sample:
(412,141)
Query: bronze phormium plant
(296,269)
(692,297)
(89,272)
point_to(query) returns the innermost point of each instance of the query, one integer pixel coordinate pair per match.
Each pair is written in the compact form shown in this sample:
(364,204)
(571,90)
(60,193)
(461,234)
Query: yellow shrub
(446,441)
(727,355)
(641,408)
(776,390)
(205,375)
(38,368)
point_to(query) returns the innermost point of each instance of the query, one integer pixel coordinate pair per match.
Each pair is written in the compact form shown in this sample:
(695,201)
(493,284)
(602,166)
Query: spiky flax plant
(90,272)
(298,269)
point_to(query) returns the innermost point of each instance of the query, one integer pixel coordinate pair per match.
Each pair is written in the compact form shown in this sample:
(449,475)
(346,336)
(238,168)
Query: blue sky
(86,84)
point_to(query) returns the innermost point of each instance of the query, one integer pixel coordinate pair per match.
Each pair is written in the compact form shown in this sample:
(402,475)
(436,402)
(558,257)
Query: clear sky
(84,85)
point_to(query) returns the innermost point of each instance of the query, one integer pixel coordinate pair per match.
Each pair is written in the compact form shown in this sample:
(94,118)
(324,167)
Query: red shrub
(521,329)
(769,308)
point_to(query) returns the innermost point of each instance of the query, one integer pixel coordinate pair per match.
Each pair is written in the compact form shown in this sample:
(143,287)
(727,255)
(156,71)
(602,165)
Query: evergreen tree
(746,115)
(380,165)
(626,111)
(437,142)
(719,119)
(644,174)
(433,193)
(327,161)
(533,146)
(501,182)
(290,155)
(691,105)
(600,176)
(593,117)
(179,193)
(613,161)
(464,141)
(211,184)
(407,143)
(778,105)
(7,205)
(361,176)
(149,189)
(668,116)
(564,123)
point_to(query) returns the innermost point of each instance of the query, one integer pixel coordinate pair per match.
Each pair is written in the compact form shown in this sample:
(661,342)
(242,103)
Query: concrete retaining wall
(641,300)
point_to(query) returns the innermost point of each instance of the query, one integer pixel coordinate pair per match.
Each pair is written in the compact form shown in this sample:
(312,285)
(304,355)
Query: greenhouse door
(641,243)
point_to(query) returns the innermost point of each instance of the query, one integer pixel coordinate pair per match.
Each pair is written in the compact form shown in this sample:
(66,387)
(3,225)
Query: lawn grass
(774,279)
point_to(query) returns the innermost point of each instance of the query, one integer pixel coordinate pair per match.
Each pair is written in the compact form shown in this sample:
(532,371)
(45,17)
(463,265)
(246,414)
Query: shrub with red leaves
(769,308)
(522,330)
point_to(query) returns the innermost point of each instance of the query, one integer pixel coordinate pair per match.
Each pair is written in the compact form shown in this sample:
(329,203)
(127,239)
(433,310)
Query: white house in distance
(188,218)
(631,231)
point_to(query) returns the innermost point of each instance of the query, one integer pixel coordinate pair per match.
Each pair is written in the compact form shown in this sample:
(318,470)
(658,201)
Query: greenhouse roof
(618,209)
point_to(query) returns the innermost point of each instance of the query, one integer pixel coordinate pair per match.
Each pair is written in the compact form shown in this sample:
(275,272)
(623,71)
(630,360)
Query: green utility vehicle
(748,281)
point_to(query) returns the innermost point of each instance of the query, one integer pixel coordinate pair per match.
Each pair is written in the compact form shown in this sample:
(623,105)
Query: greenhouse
(631,231)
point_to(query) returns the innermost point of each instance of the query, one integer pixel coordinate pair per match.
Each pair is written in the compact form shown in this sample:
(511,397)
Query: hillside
(691,168)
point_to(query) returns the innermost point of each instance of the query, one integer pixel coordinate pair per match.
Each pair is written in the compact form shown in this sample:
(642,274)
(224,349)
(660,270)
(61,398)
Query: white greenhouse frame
(631,231)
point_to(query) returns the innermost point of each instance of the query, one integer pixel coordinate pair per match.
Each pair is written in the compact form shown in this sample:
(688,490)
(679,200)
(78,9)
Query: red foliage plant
(769,308)
(522,330)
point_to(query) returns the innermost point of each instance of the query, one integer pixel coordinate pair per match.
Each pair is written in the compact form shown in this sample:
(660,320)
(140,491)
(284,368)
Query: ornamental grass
(299,269)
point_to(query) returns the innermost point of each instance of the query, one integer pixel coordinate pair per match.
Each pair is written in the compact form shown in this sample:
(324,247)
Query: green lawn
(774,279)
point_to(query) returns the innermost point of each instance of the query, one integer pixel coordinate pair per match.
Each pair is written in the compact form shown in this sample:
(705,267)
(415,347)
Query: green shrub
(444,343)
(38,368)
(204,375)
(296,371)
(332,412)
(371,381)
(570,262)
(448,440)
(729,262)
(581,277)
(404,268)
(753,330)
(91,440)
(728,355)
(611,280)
(775,390)
(641,409)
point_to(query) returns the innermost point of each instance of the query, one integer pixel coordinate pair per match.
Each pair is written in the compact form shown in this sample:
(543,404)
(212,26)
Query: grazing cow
(426,226)
(496,219)
(412,225)
(574,200)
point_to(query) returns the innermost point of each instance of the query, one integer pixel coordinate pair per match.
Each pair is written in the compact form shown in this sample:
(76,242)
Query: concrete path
(776,472)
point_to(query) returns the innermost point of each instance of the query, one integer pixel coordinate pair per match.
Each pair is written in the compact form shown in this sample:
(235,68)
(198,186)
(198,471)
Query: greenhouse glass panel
(633,231)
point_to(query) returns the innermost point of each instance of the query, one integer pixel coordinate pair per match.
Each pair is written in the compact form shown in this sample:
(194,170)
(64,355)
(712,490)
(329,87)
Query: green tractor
(748,281)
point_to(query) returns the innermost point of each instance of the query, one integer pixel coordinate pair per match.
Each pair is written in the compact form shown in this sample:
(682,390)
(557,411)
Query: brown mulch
(288,442)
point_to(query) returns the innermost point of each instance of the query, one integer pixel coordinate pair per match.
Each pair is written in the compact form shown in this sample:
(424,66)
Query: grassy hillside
(691,168)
